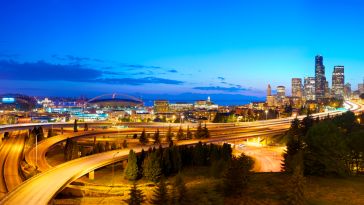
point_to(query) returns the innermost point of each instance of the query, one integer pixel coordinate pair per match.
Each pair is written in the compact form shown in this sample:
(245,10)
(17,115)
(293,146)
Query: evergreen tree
(198,155)
(205,132)
(135,136)
(85,127)
(180,134)
(237,175)
(75,126)
(160,196)
(176,159)
(156,137)
(125,144)
(169,135)
(136,196)
(199,134)
(143,138)
(151,167)
(296,195)
(189,134)
(293,155)
(167,165)
(131,170)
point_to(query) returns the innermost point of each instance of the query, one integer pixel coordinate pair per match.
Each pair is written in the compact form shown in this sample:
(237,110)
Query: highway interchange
(44,186)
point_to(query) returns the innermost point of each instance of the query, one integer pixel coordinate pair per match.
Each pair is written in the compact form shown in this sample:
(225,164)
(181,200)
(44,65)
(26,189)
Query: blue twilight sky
(89,47)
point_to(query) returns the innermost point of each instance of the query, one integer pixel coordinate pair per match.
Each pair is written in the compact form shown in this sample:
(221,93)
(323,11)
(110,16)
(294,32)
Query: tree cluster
(156,163)
(332,146)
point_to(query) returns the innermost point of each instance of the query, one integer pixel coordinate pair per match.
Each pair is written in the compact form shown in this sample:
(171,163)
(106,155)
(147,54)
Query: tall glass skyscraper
(320,78)
(338,82)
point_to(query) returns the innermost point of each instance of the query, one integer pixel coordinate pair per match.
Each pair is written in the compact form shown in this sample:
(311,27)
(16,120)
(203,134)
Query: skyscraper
(320,78)
(269,90)
(309,88)
(338,82)
(281,92)
(297,87)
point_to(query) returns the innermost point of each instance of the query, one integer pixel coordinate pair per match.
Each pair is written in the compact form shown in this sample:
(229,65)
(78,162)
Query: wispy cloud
(221,78)
(45,71)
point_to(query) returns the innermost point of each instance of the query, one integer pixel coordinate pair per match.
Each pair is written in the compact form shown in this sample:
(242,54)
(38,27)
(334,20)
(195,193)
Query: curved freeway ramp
(43,187)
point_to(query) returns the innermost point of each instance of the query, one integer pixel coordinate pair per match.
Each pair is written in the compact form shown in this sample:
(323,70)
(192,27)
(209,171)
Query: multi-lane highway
(41,188)
(10,155)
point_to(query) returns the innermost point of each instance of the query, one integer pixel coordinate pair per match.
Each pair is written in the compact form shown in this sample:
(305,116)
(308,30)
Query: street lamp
(266,114)
(182,117)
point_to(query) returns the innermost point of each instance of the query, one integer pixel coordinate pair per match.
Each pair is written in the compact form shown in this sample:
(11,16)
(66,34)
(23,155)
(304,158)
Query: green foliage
(75,126)
(151,167)
(202,132)
(160,196)
(85,128)
(156,137)
(346,121)
(143,138)
(325,150)
(131,170)
(125,144)
(169,136)
(293,155)
(167,165)
(237,175)
(136,196)
(180,134)
(189,134)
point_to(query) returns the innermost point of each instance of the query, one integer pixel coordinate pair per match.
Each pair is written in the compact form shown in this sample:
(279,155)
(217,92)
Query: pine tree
(180,134)
(176,159)
(143,138)
(237,175)
(75,126)
(166,162)
(205,132)
(296,194)
(136,196)
(160,196)
(199,132)
(189,134)
(85,127)
(156,137)
(125,144)
(169,135)
(151,167)
(293,154)
(131,170)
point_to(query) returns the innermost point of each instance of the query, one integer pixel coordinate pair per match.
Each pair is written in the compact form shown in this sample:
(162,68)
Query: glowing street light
(266,114)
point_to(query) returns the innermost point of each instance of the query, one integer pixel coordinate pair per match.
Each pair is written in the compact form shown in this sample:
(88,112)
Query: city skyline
(129,48)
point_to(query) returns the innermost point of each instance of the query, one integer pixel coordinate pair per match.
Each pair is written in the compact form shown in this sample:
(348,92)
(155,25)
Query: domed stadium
(17,102)
(115,101)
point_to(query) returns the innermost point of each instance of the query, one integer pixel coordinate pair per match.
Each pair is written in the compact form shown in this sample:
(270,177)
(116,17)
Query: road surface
(43,187)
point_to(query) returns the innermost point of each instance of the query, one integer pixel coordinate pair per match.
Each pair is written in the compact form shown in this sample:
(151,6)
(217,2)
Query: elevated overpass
(43,187)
